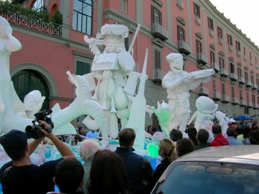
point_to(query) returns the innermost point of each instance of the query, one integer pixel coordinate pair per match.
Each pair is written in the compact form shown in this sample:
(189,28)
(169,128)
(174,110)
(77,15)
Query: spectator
(167,152)
(134,164)
(202,138)
(245,135)
(184,146)
(233,124)
(239,131)
(192,133)
(219,140)
(254,125)
(69,176)
(20,175)
(107,174)
(254,137)
(147,173)
(92,134)
(175,135)
(231,132)
(87,150)
(81,133)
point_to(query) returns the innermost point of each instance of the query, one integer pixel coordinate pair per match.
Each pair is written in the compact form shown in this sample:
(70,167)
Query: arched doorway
(27,80)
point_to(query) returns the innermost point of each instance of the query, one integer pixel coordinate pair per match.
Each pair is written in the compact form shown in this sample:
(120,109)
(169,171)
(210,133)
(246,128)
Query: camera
(34,130)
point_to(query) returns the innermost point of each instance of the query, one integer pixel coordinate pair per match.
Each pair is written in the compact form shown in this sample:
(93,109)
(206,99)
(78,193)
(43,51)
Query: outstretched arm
(193,116)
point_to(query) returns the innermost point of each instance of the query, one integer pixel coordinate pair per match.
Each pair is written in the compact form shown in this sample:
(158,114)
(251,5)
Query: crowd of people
(104,171)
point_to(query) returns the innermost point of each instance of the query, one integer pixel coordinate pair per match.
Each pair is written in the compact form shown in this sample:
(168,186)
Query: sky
(245,14)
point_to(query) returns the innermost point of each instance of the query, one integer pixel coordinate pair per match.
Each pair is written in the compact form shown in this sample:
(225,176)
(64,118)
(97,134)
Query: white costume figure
(223,122)
(116,81)
(178,84)
(205,111)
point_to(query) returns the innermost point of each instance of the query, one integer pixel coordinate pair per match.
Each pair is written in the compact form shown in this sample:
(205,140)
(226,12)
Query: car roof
(247,154)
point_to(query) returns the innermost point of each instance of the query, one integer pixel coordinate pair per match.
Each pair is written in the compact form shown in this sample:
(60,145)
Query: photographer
(20,175)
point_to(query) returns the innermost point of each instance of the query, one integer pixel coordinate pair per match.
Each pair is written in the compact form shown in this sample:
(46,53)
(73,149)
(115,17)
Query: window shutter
(160,17)
(152,14)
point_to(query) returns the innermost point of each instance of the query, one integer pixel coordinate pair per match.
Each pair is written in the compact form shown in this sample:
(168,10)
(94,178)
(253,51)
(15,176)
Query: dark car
(214,170)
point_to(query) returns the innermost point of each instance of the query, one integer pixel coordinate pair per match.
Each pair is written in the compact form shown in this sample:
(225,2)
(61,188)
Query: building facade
(194,28)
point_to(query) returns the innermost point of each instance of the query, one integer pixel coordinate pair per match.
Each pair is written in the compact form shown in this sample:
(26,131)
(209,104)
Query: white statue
(116,80)
(206,109)
(223,122)
(178,84)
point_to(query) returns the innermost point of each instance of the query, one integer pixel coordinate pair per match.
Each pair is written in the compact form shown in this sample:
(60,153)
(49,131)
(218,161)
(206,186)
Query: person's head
(69,175)
(246,131)
(184,146)
(113,42)
(203,136)
(88,148)
(254,137)
(232,123)
(176,62)
(239,130)
(127,137)
(148,171)
(15,144)
(192,133)
(107,174)
(231,132)
(175,135)
(167,149)
(216,129)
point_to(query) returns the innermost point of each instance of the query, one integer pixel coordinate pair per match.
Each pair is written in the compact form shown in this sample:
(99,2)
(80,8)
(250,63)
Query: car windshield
(209,177)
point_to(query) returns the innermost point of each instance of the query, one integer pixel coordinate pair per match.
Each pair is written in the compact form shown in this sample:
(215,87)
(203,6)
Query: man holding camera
(20,175)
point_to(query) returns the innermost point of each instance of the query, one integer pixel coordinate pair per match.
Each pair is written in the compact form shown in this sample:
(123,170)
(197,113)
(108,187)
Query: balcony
(248,84)
(197,19)
(251,62)
(180,3)
(157,75)
(220,41)
(250,104)
(211,32)
(242,102)
(238,53)
(245,57)
(203,91)
(183,47)
(234,101)
(233,76)
(215,66)
(32,23)
(158,31)
(254,86)
(241,80)
(255,106)
(225,98)
(216,96)
(201,59)
(230,47)
(223,72)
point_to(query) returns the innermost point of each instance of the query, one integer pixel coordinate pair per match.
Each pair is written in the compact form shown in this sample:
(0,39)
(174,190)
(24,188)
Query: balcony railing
(254,105)
(245,57)
(241,80)
(225,98)
(254,86)
(230,47)
(242,102)
(223,72)
(251,62)
(216,96)
(183,47)
(248,84)
(233,76)
(215,66)
(32,23)
(157,75)
(158,31)
(201,59)
(197,19)
(180,3)
(234,101)
(238,53)
(203,91)
(211,32)
(250,104)
(220,40)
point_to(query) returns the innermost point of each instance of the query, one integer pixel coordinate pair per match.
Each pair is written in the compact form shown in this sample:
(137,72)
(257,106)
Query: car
(213,170)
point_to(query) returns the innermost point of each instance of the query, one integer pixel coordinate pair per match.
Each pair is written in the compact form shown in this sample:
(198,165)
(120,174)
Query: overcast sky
(245,14)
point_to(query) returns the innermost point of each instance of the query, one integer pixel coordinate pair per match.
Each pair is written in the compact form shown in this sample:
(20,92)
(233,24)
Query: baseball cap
(14,140)
(231,121)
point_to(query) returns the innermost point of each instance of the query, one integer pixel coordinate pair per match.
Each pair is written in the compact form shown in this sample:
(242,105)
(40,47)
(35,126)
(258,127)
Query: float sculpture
(223,122)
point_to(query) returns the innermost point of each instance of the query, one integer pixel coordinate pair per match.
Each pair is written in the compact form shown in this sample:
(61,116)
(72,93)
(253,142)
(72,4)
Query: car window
(209,177)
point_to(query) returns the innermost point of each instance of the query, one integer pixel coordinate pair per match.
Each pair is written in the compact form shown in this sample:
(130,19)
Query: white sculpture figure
(164,115)
(116,81)
(206,109)
(223,122)
(178,84)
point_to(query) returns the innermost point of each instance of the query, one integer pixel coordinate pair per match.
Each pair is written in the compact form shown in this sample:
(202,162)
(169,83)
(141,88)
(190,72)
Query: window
(257,81)
(253,99)
(252,79)
(257,99)
(240,94)
(239,72)
(210,24)
(244,50)
(180,33)
(255,60)
(223,88)
(219,32)
(156,15)
(82,68)
(233,92)
(38,5)
(250,55)
(214,85)
(212,58)
(196,10)
(123,5)
(246,77)
(221,63)
(230,40)
(82,16)
(232,68)
(157,60)
(238,46)
(198,46)
(247,97)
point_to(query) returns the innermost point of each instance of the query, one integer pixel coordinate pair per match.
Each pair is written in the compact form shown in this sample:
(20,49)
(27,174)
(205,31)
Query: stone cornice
(181,20)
